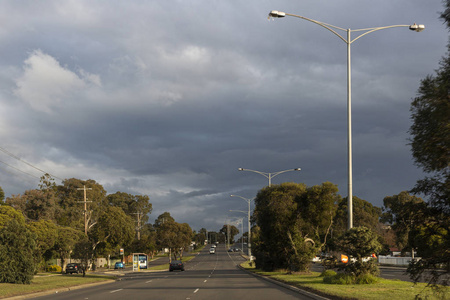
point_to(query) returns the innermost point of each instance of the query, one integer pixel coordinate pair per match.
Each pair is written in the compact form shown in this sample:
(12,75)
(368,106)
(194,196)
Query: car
(212,250)
(213,246)
(176,265)
(73,268)
(119,265)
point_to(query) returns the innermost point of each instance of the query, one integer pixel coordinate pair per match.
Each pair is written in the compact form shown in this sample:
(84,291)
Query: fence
(397,261)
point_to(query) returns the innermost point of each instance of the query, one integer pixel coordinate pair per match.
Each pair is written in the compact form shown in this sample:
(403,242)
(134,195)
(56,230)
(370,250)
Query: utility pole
(85,207)
(139,214)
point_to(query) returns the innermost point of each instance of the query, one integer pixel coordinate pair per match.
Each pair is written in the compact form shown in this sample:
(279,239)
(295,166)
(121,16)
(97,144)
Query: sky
(169,98)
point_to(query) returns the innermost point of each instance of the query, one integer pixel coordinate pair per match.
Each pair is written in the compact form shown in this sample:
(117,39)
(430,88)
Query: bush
(54,268)
(17,265)
(366,279)
(340,278)
(328,273)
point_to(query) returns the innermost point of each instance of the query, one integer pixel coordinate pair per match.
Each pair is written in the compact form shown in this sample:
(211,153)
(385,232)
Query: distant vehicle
(176,265)
(214,246)
(119,265)
(73,268)
(212,250)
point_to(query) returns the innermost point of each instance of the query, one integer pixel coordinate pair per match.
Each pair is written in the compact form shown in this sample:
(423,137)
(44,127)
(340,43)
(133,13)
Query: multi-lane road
(207,276)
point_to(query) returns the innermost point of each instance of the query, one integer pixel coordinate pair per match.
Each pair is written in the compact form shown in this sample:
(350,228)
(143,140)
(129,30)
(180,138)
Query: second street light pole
(348,41)
(249,241)
(269,175)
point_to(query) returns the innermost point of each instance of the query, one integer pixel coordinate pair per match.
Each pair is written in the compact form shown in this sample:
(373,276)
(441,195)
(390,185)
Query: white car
(212,250)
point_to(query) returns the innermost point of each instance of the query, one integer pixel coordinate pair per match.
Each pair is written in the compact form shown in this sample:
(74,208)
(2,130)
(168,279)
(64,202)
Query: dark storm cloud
(169,98)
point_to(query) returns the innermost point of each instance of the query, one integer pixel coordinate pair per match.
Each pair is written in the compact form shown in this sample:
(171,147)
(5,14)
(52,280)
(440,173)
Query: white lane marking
(196,291)
(115,291)
(149,281)
(205,281)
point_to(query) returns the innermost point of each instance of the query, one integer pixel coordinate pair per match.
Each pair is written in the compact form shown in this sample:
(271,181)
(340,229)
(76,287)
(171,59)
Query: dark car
(73,268)
(119,265)
(176,265)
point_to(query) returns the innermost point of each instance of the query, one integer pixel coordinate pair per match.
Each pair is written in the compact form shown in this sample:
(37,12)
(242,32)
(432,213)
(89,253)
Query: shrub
(54,268)
(366,279)
(340,278)
(327,273)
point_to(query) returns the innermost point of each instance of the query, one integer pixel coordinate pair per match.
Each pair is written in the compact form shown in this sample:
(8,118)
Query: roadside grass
(166,266)
(49,281)
(383,289)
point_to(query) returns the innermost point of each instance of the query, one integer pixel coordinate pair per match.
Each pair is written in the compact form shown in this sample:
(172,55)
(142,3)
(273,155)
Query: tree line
(52,222)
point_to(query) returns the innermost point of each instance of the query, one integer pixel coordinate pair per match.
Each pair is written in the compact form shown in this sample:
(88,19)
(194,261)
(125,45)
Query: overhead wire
(21,160)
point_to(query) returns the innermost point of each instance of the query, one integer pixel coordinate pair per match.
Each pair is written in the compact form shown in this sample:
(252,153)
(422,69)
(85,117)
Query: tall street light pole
(249,242)
(269,175)
(348,41)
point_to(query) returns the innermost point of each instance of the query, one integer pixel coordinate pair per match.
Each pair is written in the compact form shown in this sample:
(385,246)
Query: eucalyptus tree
(292,224)
(430,144)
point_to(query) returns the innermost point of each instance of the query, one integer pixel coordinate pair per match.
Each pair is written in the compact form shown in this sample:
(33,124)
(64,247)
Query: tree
(364,214)
(7,213)
(65,243)
(45,232)
(114,228)
(229,231)
(430,145)
(138,206)
(172,235)
(2,195)
(404,213)
(358,243)
(70,200)
(35,204)
(17,245)
(292,224)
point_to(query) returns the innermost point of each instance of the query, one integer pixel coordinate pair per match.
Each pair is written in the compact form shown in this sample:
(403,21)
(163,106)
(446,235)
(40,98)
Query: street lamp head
(297,169)
(276,14)
(417,28)
(240,169)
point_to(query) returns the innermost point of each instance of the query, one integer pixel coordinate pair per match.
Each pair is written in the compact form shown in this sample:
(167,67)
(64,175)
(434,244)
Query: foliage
(364,214)
(359,243)
(404,213)
(65,242)
(17,264)
(326,273)
(2,195)
(7,213)
(46,233)
(430,145)
(292,224)
(54,268)
(231,230)
(137,206)
(172,235)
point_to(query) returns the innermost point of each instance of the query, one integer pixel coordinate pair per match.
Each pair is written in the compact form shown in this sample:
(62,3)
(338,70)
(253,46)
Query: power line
(19,170)
(19,159)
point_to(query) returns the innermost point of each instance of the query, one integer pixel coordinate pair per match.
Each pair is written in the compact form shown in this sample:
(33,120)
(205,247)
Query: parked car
(73,268)
(119,265)
(212,250)
(176,265)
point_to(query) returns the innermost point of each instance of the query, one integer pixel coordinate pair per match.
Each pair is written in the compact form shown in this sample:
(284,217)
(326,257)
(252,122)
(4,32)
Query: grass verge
(49,281)
(383,289)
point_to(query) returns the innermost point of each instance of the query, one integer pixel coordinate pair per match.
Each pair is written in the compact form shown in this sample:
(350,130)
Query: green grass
(166,266)
(49,282)
(383,289)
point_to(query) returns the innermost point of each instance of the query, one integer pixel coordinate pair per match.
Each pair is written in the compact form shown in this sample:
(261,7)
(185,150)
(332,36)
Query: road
(207,276)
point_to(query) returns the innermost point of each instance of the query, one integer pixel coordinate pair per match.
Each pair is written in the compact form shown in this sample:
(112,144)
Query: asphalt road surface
(207,276)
